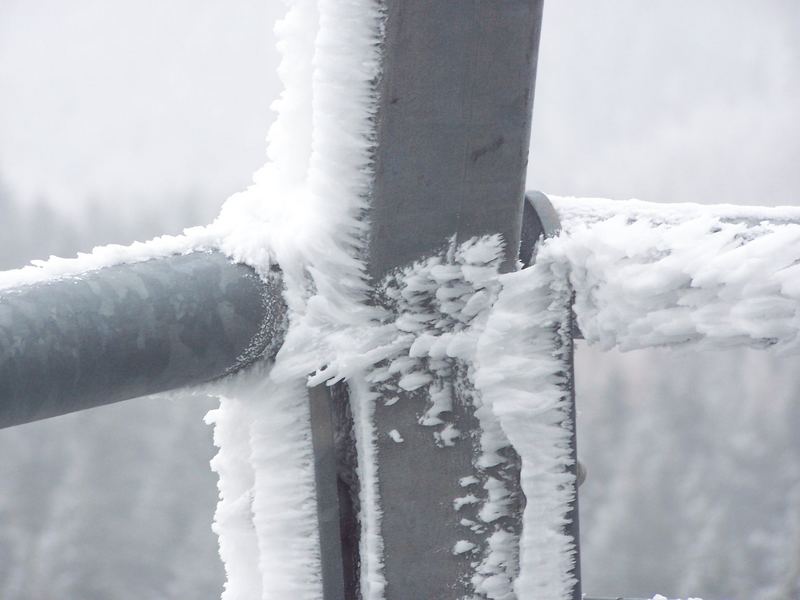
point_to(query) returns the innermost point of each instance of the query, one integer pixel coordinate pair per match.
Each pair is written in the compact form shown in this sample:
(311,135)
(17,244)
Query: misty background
(123,119)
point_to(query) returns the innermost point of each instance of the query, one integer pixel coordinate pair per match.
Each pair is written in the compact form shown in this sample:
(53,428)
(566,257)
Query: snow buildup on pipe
(193,239)
(713,277)
(304,212)
(573,212)
(267,497)
(266,516)
(522,377)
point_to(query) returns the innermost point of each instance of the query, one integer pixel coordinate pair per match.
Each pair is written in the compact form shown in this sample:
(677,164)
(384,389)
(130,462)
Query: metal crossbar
(131,330)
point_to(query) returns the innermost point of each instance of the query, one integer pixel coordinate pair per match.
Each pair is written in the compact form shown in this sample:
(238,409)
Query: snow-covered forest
(693,459)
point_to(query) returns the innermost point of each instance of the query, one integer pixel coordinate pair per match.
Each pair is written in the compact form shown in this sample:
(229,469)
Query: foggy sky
(688,100)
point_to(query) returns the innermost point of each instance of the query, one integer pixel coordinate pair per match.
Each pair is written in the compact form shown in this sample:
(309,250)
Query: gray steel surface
(329,510)
(453,131)
(454,123)
(131,330)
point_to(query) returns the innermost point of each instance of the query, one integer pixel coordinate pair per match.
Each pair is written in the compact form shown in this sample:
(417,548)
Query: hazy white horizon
(142,101)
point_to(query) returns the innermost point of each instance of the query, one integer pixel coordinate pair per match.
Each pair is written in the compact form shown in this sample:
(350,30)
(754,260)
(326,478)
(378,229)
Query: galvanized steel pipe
(131,330)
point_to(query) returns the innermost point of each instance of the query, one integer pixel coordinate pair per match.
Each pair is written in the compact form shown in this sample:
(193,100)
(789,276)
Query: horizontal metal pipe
(548,216)
(539,221)
(131,330)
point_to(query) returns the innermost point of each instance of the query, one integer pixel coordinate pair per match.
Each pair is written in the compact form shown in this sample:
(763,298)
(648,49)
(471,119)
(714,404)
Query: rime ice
(642,275)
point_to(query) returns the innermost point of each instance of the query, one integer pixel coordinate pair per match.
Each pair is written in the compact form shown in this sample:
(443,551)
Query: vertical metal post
(453,132)
(453,136)
(454,125)
(322,416)
(336,479)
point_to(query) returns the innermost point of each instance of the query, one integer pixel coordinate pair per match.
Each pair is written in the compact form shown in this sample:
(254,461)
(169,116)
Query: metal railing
(442,151)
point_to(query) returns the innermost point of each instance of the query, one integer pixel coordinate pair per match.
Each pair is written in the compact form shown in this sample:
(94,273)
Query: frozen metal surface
(326,476)
(453,136)
(131,330)
(532,230)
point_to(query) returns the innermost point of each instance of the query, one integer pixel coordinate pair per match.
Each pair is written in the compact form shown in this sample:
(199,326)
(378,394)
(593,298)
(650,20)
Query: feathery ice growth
(641,275)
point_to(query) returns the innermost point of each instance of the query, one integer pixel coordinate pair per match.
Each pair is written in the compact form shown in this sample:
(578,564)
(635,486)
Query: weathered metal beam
(324,428)
(454,123)
(131,330)
(453,135)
